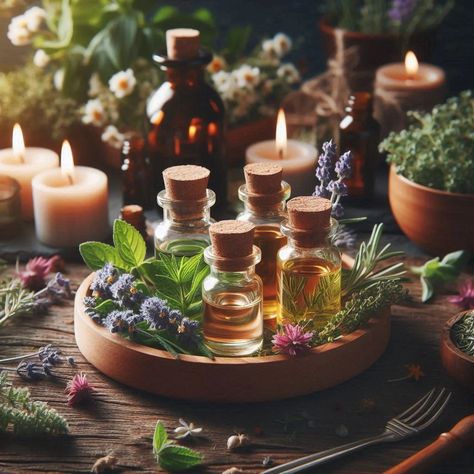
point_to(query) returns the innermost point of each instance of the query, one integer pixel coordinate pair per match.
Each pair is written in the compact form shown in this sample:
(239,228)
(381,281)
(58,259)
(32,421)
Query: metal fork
(409,423)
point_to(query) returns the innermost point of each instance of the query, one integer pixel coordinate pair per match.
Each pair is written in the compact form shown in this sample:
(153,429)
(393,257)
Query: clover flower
(401,10)
(103,280)
(465,298)
(78,390)
(292,340)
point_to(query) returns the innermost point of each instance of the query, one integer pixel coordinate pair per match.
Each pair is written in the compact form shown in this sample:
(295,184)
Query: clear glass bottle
(309,266)
(269,239)
(232,297)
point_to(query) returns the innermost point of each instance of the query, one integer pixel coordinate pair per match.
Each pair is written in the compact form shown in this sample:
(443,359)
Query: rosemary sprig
(14,299)
(363,274)
(462,333)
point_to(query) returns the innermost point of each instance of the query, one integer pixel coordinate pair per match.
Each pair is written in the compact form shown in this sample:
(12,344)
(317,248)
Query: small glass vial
(186,203)
(264,196)
(232,292)
(309,267)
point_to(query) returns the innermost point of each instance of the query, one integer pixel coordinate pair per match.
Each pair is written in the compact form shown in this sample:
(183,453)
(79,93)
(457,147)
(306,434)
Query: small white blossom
(186,430)
(237,441)
(122,83)
(34,18)
(289,73)
(225,84)
(95,85)
(113,137)
(268,47)
(58,79)
(18,32)
(94,113)
(247,76)
(282,44)
(41,59)
(217,64)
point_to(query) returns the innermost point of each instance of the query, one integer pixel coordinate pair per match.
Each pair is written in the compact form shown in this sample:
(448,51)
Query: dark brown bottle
(359,132)
(186,115)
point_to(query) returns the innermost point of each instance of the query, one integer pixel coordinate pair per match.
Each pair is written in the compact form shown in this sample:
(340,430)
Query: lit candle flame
(192,132)
(18,143)
(67,162)
(281,140)
(411,64)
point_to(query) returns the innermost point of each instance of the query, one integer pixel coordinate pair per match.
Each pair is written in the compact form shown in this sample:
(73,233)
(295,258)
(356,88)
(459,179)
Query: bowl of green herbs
(457,348)
(431,183)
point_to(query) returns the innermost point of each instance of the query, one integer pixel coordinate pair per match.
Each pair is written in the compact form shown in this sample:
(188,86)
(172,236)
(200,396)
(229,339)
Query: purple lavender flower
(125,291)
(321,191)
(50,355)
(103,280)
(188,330)
(338,188)
(337,210)
(58,288)
(30,370)
(401,10)
(122,321)
(343,165)
(89,302)
(155,312)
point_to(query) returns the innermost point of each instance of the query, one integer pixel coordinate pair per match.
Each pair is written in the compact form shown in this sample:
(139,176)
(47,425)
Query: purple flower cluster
(292,340)
(331,175)
(103,280)
(56,290)
(401,10)
(49,356)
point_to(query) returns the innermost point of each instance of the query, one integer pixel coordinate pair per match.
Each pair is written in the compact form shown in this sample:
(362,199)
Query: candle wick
(21,157)
(69,178)
(280,153)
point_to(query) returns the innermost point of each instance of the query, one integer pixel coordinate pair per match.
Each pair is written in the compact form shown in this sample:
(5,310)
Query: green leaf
(427,289)
(129,243)
(178,458)
(189,266)
(105,307)
(97,254)
(64,29)
(165,13)
(121,41)
(456,259)
(160,437)
(236,42)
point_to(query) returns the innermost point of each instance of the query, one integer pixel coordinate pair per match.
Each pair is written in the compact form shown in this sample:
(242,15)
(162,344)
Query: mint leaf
(129,243)
(427,289)
(160,437)
(178,458)
(456,259)
(105,307)
(97,254)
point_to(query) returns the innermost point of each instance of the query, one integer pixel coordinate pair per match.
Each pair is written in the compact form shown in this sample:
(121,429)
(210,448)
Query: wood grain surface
(122,419)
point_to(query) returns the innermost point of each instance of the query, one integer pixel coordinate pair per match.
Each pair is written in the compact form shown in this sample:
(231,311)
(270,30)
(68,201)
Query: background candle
(297,159)
(70,204)
(23,164)
(401,87)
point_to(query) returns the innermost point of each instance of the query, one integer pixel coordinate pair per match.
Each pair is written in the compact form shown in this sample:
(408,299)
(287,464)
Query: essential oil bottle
(232,292)
(264,195)
(186,204)
(308,267)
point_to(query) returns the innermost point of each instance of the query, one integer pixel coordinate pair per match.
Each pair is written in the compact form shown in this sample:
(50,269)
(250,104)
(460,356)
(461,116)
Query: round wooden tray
(243,379)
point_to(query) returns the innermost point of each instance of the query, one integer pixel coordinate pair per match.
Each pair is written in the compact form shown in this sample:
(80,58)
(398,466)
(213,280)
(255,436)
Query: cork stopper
(232,239)
(182,43)
(263,178)
(186,182)
(309,213)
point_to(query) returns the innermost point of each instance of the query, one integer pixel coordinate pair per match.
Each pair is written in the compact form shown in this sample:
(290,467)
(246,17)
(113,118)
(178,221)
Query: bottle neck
(265,212)
(233,276)
(197,218)
(186,76)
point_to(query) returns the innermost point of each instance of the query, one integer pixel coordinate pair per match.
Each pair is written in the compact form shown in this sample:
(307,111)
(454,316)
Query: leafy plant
(436,149)
(24,416)
(436,273)
(171,456)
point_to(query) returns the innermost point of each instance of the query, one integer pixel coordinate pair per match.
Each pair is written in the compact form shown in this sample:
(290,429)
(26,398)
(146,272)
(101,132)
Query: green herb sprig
(462,333)
(435,272)
(171,456)
(14,299)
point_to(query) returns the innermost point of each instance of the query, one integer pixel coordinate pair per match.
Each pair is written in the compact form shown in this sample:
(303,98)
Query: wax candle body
(69,214)
(36,160)
(298,163)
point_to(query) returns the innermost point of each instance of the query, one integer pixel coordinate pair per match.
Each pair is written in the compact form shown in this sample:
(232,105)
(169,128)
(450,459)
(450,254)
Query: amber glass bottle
(359,132)
(186,115)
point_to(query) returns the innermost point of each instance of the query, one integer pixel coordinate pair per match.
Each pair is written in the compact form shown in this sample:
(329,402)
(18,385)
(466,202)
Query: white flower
(289,73)
(18,32)
(225,84)
(58,79)
(122,83)
(94,113)
(113,137)
(247,76)
(186,430)
(34,18)
(41,59)
(268,46)
(95,85)
(282,44)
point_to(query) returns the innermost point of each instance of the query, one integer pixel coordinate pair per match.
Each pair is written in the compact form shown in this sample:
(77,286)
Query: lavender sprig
(401,10)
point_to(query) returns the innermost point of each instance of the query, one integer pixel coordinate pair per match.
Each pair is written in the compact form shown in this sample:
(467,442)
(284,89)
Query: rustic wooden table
(122,420)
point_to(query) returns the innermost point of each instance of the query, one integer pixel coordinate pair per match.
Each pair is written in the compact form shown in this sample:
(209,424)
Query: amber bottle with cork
(232,292)
(186,203)
(308,267)
(186,115)
(360,133)
(264,195)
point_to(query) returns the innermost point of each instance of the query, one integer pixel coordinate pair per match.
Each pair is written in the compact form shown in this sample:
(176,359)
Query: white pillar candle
(70,204)
(297,159)
(23,164)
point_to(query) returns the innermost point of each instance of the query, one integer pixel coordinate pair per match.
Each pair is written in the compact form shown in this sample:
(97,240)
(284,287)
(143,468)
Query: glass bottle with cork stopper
(186,115)
(264,195)
(360,133)
(309,266)
(186,204)
(232,292)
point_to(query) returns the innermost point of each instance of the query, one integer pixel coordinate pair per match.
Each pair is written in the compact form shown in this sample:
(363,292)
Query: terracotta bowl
(438,221)
(225,379)
(457,364)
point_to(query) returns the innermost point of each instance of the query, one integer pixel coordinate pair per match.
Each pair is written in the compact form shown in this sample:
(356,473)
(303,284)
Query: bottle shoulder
(329,253)
(271,219)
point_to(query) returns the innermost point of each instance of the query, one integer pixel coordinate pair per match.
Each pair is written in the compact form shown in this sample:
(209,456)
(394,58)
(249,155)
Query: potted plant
(431,183)
(380,31)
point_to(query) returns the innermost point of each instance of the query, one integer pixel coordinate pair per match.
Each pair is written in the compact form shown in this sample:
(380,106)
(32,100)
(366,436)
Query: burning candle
(70,203)
(22,164)
(400,87)
(297,159)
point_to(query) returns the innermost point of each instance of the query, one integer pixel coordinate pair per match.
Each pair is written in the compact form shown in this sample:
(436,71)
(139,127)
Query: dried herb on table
(462,333)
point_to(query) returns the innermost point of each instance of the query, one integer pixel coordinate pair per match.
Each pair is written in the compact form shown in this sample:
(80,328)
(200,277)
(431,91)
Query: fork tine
(428,401)
(415,405)
(425,410)
(436,414)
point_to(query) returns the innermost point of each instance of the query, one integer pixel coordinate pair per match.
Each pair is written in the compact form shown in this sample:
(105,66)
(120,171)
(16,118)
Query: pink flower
(34,275)
(465,299)
(292,340)
(79,390)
